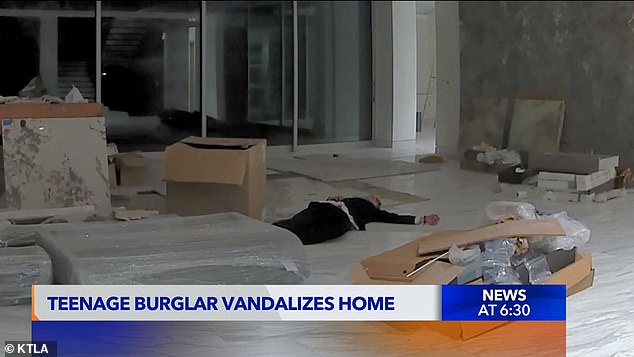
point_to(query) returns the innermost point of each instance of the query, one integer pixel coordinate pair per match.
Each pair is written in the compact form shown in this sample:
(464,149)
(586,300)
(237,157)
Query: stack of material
(484,158)
(575,177)
(226,248)
(515,245)
(21,268)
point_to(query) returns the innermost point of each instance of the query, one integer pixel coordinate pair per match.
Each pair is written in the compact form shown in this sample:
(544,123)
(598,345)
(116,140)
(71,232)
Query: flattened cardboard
(438,273)
(571,162)
(556,260)
(520,228)
(573,273)
(397,263)
(585,283)
(212,175)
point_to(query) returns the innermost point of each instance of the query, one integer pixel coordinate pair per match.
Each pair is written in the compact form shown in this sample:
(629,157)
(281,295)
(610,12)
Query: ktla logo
(30,348)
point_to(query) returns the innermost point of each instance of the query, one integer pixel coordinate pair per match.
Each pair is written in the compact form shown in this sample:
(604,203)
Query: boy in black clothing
(326,220)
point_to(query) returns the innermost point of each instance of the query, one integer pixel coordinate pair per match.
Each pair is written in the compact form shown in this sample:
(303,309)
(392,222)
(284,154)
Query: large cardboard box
(577,277)
(133,169)
(571,162)
(212,175)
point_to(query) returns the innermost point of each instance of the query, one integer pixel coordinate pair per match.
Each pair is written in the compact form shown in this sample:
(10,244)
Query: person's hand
(431,219)
(336,198)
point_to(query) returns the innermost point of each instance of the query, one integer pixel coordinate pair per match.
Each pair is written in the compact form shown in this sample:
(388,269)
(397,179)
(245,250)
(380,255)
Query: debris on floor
(487,159)
(576,177)
(431,159)
(133,215)
(515,244)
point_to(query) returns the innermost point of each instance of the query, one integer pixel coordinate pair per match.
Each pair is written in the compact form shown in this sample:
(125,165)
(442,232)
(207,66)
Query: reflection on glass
(22,63)
(335,71)
(151,72)
(245,97)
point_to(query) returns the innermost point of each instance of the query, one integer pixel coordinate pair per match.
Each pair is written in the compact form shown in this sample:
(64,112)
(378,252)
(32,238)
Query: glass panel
(151,72)
(76,55)
(335,71)
(17,68)
(248,45)
(47,40)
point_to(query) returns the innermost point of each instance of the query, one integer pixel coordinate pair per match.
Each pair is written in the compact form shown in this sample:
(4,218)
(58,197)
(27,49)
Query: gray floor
(599,319)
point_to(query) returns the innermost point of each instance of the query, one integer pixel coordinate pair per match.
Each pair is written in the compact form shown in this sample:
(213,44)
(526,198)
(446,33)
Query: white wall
(404,70)
(448,71)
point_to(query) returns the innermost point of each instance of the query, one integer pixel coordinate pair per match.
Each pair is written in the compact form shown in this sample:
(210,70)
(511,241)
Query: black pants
(317,223)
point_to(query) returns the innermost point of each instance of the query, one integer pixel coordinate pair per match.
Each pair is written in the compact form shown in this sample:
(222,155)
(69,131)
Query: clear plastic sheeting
(15,239)
(495,212)
(496,262)
(577,235)
(19,269)
(538,270)
(226,248)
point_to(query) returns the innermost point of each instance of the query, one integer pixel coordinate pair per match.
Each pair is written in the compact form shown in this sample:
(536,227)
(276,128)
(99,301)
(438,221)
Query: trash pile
(521,260)
(514,244)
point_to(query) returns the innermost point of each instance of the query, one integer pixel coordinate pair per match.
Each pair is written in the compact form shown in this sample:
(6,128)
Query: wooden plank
(45,111)
(521,228)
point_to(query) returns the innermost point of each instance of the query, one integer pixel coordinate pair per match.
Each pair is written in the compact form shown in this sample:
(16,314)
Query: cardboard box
(212,175)
(571,162)
(556,260)
(133,170)
(577,277)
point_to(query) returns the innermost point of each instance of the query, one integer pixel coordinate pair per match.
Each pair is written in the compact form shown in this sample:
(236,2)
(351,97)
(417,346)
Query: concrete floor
(599,320)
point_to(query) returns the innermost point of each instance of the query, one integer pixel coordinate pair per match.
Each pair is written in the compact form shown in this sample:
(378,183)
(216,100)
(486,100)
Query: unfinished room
(316,178)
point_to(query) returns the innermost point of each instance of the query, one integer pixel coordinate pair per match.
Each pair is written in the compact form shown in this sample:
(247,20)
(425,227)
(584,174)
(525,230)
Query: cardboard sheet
(397,263)
(438,273)
(524,228)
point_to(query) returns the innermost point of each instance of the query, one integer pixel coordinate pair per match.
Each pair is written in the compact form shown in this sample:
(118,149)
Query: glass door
(247,56)
(334,71)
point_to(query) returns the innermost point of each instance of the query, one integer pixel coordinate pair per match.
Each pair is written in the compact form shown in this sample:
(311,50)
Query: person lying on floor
(330,219)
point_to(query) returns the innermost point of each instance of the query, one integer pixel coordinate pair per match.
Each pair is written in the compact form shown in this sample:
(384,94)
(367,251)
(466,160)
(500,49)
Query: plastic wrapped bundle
(495,212)
(226,248)
(496,262)
(577,234)
(20,268)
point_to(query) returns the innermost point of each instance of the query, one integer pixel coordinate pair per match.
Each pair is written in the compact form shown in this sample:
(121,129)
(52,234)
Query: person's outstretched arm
(389,217)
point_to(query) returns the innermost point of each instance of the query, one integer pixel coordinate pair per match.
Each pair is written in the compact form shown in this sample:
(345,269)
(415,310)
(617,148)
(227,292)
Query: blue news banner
(504,303)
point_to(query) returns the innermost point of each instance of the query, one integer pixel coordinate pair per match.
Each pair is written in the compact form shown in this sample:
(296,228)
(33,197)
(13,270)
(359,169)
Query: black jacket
(364,212)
